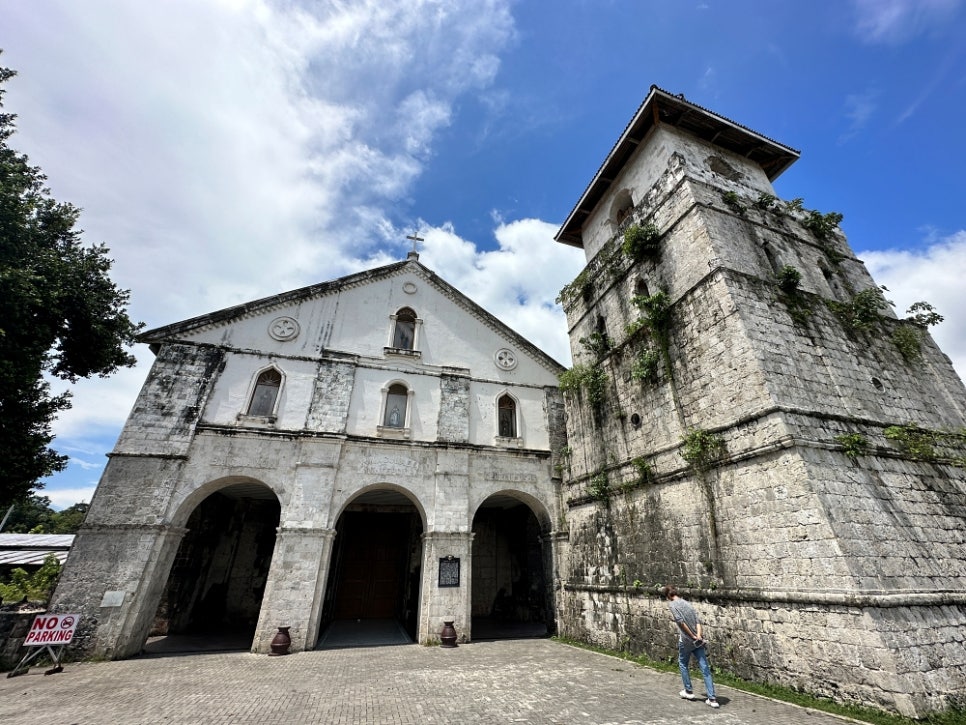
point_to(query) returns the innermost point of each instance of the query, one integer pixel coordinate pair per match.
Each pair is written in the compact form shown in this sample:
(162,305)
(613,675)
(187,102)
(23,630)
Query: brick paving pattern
(521,681)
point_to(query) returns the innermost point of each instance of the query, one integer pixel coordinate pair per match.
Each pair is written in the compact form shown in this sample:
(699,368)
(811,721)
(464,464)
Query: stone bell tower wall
(824,554)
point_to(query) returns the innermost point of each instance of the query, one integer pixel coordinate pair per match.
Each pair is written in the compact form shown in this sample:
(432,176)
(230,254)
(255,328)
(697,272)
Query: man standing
(690,642)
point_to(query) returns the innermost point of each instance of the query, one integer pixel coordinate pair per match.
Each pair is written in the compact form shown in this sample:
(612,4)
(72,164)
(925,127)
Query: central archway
(372,594)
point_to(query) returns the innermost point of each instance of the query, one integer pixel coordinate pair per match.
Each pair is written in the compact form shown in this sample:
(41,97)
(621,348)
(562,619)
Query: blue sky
(230,149)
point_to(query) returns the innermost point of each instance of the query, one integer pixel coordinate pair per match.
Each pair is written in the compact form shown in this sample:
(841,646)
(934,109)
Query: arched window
(404,332)
(506,417)
(265,394)
(621,207)
(397,399)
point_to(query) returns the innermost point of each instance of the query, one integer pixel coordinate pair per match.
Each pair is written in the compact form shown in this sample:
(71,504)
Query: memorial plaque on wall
(449,571)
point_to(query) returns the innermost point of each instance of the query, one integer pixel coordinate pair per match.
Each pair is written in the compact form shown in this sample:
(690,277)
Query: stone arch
(374,578)
(214,585)
(512,582)
(621,208)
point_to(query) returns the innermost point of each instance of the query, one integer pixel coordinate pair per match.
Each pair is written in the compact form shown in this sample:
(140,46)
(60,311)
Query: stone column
(296,587)
(113,579)
(556,552)
(445,603)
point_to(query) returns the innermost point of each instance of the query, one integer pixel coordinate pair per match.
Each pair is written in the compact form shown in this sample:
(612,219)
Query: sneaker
(711,703)
(686,695)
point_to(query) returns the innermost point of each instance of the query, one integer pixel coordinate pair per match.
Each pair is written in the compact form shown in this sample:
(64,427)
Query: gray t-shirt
(682,611)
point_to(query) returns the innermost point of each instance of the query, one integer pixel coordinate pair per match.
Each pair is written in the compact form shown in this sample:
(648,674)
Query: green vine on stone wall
(821,225)
(765,201)
(597,343)
(908,341)
(642,242)
(603,267)
(701,448)
(645,474)
(581,286)
(657,313)
(788,279)
(645,366)
(585,380)
(734,203)
(921,443)
(863,310)
(598,487)
(907,337)
(853,444)
(799,306)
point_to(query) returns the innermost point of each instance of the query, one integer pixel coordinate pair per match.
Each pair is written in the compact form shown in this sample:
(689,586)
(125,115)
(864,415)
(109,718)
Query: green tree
(31,515)
(60,316)
(69,520)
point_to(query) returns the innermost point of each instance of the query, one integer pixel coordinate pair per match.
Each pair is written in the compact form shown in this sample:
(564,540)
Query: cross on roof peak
(414,238)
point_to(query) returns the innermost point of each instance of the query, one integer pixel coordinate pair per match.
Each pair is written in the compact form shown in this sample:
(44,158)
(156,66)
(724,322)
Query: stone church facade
(745,418)
(376,447)
(742,425)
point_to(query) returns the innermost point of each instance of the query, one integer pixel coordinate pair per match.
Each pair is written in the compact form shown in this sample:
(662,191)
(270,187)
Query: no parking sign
(52,632)
(51,629)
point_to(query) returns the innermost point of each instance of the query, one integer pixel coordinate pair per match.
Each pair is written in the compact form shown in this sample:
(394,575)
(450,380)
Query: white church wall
(229,401)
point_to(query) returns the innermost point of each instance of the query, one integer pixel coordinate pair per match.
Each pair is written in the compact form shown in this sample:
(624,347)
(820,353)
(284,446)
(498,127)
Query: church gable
(402,312)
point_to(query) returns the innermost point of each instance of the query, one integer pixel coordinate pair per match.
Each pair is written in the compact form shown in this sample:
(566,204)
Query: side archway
(512,568)
(213,594)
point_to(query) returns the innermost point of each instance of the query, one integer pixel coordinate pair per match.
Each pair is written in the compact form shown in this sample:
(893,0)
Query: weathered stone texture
(333,392)
(454,408)
(807,562)
(170,402)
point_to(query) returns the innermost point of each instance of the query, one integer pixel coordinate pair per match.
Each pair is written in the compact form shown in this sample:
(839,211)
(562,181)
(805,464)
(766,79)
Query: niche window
(622,207)
(265,395)
(507,417)
(404,333)
(396,411)
(507,422)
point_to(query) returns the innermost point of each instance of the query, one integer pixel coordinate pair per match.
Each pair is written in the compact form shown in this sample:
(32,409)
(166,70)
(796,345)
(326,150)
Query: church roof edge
(159,335)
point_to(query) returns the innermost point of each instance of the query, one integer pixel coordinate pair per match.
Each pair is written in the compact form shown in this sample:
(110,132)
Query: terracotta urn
(447,637)
(280,642)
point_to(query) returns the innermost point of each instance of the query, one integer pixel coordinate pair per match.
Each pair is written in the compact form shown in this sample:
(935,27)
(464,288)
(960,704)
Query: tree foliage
(33,515)
(60,315)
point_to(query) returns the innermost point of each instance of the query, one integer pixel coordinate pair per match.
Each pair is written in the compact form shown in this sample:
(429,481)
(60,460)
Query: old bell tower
(749,420)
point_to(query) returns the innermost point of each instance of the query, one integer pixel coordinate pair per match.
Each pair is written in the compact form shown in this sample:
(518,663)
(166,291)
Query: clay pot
(447,638)
(280,642)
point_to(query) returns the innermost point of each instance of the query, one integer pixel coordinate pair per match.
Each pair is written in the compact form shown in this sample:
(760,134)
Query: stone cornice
(857,598)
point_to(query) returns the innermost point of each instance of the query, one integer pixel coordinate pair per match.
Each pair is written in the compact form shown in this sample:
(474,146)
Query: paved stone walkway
(519,681)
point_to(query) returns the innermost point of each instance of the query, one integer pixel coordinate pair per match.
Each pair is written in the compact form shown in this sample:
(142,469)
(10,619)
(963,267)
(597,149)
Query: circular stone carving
(409,288)
(284,328)
(505,359)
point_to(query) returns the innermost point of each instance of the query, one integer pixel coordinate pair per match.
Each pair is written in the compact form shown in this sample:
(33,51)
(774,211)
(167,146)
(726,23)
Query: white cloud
(517,282)
(859,109)
(61,498)
(933,274)
(227,150)
(895,21)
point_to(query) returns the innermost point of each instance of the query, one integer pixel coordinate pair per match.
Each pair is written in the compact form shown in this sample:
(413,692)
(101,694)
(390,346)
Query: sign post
(51,633)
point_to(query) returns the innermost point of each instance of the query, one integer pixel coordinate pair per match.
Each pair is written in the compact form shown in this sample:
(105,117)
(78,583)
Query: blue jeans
(685,651)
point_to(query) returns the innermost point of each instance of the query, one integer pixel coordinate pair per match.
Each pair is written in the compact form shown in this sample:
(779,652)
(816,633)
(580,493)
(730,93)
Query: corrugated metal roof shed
(32,549)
